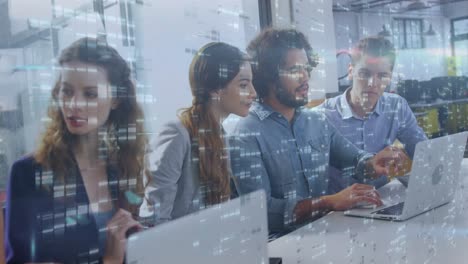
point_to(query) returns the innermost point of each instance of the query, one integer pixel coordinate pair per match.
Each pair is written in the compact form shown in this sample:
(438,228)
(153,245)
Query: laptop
(232,232)
(433,180)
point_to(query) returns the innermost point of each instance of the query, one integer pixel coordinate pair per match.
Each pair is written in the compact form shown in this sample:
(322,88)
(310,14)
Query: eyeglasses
(365,75)
(296,71)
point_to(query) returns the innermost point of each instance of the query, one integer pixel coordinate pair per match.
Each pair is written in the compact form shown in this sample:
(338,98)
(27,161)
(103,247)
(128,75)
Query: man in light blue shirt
(285,149)
(367,116)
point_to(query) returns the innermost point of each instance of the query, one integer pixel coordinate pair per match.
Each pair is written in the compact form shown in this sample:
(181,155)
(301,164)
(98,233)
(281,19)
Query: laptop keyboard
(396,209)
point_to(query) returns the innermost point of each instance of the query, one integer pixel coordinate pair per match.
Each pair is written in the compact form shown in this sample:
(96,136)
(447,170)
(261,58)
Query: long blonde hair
(214,66)
(125,142)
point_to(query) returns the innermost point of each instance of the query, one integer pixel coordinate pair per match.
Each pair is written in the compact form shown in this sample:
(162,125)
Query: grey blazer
(174,187)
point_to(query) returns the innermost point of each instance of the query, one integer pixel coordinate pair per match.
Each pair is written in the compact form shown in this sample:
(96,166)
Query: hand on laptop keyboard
(352,196)
(365,205)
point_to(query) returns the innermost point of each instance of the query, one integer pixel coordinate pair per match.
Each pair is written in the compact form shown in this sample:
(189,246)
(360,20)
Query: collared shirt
(288,160)
(391,119)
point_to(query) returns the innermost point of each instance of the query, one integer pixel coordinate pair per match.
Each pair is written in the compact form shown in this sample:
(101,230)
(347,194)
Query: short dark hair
(375,47)
(268,51)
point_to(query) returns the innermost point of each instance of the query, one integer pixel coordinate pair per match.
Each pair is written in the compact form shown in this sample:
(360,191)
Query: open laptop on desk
(433,180)
(232,232)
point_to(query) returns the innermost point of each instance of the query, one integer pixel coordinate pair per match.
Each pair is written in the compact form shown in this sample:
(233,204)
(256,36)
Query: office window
(460,27)
(459,34)
(264,8)
(407,33)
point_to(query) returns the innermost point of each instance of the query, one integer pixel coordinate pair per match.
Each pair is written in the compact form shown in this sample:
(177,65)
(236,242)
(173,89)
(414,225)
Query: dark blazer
(44,225)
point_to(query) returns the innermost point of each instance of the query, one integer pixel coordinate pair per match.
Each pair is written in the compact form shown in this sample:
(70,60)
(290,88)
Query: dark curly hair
(268,51)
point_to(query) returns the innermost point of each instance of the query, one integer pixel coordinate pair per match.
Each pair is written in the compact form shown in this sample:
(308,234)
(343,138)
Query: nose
(76,103)
(304,76)
(252,92)
(372,80)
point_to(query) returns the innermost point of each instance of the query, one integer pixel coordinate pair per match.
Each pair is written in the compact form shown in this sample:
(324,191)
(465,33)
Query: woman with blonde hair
(190,160)
(75,199)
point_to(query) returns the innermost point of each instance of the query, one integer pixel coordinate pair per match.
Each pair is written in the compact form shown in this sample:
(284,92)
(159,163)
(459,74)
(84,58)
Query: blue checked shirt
(391,119)
(289,161)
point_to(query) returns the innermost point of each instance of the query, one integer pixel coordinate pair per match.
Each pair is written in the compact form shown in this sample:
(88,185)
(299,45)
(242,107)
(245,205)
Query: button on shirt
(391,119)
(288,160)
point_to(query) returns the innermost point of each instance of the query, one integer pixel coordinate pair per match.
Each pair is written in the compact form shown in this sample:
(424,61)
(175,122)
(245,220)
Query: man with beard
(285,149)
(367,116)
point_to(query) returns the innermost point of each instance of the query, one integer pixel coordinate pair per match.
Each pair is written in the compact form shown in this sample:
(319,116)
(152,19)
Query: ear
(350,72)
(215,95)
(115,104)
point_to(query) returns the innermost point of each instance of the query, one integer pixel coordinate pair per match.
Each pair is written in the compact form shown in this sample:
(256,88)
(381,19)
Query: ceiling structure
(390,6)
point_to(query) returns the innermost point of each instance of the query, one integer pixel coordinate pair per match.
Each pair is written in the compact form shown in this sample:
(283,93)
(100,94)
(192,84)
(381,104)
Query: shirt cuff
(361,168)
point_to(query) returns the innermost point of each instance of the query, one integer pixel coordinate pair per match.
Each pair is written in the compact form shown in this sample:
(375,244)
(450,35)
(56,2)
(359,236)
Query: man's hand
(388,159)
(351,196)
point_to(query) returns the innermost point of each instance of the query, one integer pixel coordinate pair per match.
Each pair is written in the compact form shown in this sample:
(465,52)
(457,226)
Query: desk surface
(438,236)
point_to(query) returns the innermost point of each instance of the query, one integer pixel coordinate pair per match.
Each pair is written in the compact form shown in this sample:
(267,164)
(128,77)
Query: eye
(295,70)
(66,91)
(244,85)
(91,94)
(364,74)
(383,75)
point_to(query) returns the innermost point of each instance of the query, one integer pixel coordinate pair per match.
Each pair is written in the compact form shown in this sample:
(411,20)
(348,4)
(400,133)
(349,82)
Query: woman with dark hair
(191,168)
(75,199)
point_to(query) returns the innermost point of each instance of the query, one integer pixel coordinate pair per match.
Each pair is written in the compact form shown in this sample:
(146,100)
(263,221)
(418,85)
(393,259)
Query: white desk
(438,236)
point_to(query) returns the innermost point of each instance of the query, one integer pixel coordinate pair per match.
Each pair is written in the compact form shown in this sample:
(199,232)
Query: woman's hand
(117,229)
(351,196)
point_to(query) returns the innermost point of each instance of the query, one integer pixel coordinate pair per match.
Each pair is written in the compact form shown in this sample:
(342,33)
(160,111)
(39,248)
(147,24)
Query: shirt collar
(344,107)
(263,111)
(346,111)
